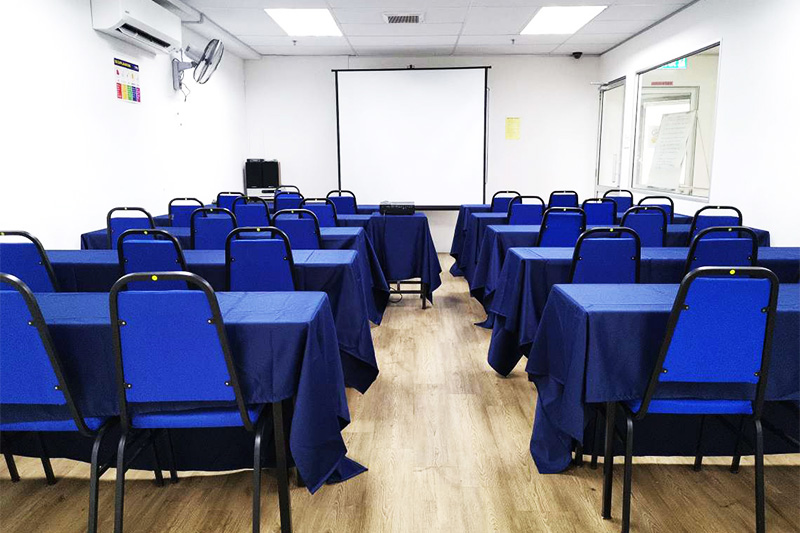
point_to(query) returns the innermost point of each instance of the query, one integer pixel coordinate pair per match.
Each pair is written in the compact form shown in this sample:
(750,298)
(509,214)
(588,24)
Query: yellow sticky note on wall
(512,128)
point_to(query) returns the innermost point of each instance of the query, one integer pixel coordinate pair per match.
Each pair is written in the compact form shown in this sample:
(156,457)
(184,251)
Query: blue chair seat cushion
(217,417)
(694,407)
(93,423)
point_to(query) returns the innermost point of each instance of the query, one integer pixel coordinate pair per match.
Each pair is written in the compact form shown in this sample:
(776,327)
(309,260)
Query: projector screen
(412,135)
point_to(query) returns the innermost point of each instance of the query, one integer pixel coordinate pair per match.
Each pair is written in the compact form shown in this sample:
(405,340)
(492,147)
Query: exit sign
(677,64)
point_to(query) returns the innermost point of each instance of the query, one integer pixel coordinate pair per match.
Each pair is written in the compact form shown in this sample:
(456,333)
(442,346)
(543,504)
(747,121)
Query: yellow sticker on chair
(154,278)
(733,272)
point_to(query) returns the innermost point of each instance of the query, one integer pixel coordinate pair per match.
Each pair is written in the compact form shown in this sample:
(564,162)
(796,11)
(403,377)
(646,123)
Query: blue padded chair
(520,213)
(27,261)
(600,211)
(649,221)
(623,198)
(664,202)
(345,202)
(325,210)
(158,251)
(31,375)
(301,226)
(561,226)
(210,227)
(710,217)
(563,199)
(287,200)
(260,260)
(180,210)
(171,347)
(606,255)
(715,247)
(117,225)
(251,211)
(225,199)
(501,200)
(719,332)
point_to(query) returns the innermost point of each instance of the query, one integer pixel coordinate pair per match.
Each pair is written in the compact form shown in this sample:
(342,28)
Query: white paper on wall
(670,149)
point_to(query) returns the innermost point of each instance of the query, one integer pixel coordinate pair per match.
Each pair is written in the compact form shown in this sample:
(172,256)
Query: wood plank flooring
(446,443)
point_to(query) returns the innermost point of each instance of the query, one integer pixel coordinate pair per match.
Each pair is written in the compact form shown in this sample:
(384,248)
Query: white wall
(72,151)
(756,136)
(291,117)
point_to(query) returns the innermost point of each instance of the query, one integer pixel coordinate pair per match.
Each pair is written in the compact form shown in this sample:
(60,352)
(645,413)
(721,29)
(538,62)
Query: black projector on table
(397,208)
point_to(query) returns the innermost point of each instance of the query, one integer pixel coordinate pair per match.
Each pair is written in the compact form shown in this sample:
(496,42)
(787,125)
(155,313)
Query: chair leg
(737,457)
(760,503)
(94,479)
(156,459)
(12,467)
(628,477)
(578,460)
(283,475)
(596,437)
(257,477)
(698,455)
(608,460)
(119,497)
(48,468)
(173,469)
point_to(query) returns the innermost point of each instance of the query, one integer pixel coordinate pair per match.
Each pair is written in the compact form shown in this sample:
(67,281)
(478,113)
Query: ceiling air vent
(407,18)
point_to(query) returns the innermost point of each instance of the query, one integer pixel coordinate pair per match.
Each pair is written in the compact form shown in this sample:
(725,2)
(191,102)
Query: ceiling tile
(614,26)
(497,20)
(408,40)
(408,51)
(638,12)
(304,51)
(244,21)
(433,15)
(255,4)
(597,38)
(517,49)
(506,39)
(398,4)
(285,40)
(585,48)
(352,30)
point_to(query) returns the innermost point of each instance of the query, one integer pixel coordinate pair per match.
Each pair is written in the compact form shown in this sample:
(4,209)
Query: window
(609,144)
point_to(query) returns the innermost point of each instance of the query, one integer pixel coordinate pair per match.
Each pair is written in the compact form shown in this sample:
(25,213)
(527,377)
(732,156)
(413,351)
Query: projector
(397,208)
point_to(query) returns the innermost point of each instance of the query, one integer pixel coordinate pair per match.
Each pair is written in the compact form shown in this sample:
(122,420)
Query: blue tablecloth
(284,346)
(456,248)
(334,272)
(164,221)
(598,343)
(529,274)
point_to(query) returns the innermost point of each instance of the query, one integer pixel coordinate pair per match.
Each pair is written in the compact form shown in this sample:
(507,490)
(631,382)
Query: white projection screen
(412,135)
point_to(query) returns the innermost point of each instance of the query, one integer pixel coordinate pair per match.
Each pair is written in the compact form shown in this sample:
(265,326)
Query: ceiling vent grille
(408,18)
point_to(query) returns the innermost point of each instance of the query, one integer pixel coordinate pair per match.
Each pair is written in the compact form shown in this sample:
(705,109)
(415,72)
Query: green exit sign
(677,64)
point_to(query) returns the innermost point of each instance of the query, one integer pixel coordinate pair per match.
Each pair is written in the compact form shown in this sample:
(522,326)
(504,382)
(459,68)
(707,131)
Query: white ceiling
(449,27)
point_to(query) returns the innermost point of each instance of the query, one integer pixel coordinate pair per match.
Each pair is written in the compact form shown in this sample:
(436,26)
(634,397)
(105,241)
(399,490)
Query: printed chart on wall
(127,75)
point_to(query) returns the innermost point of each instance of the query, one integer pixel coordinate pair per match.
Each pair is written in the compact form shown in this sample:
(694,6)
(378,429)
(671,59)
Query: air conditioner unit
(141,22)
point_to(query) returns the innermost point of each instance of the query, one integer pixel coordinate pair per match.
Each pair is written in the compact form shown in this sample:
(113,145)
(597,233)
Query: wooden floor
(446,443)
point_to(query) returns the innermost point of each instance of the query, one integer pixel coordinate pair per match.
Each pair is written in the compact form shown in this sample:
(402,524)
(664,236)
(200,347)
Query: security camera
(577,55)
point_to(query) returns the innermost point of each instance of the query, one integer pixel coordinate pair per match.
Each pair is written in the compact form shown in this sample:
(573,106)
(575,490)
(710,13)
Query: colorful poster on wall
(512,128)
(127,75)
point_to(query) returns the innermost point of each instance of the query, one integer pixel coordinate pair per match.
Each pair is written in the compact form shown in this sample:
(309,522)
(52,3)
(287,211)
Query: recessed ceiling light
(305,22)
(562,20)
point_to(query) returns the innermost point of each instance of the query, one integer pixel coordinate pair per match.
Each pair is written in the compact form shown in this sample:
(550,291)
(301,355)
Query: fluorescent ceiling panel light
(564,20)
(305,22)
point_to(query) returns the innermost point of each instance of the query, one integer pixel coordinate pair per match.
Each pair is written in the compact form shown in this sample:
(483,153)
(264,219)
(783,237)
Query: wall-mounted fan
(204,64)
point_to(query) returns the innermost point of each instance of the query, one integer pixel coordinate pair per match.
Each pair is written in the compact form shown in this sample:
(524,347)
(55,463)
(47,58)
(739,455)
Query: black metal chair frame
(250,200)
(43,259)
(644,208)
(550,198)
(627,438)
(96,470)
(325,200)
(625,192)
(498,193)
(256,427)
(549,210)
(343,192)
(226,193)
(258,229)
(753,257)
(300,213)
(126,209)
(613,232)
(518,199)
(155,233)
(205,211)
(281,188)
(174,200)
(669,201)
(712,208)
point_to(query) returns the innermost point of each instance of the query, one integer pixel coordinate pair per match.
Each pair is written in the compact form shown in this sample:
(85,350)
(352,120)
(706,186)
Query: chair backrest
(150,250)
(30,369)
(210,227)
(563,199)
(251,211)
(225,199)
(325,210)
(260,260)
(287,188)
(287,200)
(171,346)
(345,202)
(622,197)
(606,255)
(719,331)
(664,202)
(520,213)
(649,221)
(28,261)
(561,226)
(180,210)
(501,201)
(600,211)
(301,226)
(715,247)
(712,216)
(117,225)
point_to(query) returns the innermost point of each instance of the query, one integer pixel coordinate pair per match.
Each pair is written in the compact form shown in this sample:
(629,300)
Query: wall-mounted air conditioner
(141,22)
